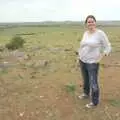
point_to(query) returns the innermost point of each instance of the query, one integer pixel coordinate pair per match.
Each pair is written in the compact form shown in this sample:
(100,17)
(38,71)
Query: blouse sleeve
(106,44)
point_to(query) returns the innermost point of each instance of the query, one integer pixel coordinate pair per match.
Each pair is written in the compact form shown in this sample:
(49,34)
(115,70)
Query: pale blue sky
(57,10)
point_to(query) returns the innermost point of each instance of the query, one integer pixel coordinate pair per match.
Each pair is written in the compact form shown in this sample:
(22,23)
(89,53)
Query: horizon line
(56,21)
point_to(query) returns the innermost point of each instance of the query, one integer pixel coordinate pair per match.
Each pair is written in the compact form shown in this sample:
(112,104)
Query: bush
(15,43)
(70,88)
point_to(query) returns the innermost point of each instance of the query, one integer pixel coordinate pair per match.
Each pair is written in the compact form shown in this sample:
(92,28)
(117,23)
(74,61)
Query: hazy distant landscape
(76,23)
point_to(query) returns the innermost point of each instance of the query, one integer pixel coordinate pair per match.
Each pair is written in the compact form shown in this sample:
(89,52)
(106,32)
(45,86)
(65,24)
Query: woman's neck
(92,30)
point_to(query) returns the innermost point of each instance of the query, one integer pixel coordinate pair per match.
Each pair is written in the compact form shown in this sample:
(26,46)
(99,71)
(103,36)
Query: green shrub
(15,43)
(70,88)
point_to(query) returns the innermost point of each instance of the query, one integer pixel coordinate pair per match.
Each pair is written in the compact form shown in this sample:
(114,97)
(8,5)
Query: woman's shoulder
(85,33)
(101,32)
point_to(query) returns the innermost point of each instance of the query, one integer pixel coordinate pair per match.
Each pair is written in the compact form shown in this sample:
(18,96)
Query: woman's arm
(105,44)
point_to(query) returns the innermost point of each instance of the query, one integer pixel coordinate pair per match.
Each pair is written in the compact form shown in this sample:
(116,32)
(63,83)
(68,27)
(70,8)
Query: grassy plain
(45,83)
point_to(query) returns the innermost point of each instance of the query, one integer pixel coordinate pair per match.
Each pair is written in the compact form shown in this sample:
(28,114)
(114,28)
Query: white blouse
(94,46)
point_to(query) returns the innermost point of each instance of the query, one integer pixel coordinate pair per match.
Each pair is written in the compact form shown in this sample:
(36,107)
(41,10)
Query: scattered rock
(36,48)
(30,64)
(41,96)
(41,63)
(56,49)
(21,114)
(67,49)
(6,65)
(2,48)
(17,53)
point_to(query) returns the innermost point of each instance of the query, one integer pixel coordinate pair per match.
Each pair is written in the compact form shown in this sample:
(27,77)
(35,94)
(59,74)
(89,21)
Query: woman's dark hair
(90,16)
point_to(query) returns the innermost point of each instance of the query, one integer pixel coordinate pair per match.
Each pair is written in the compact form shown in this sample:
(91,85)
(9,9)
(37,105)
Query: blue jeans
(90,76)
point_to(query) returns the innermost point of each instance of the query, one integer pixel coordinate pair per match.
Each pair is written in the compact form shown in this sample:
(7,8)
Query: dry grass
(33,90)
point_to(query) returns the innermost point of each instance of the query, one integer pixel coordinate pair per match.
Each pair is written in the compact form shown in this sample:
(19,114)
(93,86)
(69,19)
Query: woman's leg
(84,71)
(93,77)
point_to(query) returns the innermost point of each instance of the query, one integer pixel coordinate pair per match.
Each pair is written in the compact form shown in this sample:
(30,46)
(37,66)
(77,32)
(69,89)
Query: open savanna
(42,80)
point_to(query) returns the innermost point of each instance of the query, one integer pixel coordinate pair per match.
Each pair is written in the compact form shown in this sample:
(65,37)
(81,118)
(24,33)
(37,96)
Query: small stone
(21,114)
(41,96)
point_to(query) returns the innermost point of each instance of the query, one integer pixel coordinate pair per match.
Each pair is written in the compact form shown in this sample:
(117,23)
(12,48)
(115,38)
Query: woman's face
(91,24)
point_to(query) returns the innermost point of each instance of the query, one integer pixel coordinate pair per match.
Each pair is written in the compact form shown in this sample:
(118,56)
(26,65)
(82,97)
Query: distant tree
(15,43)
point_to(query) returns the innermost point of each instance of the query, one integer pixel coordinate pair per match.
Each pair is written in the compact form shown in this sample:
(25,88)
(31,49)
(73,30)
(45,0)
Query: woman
(93,46)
